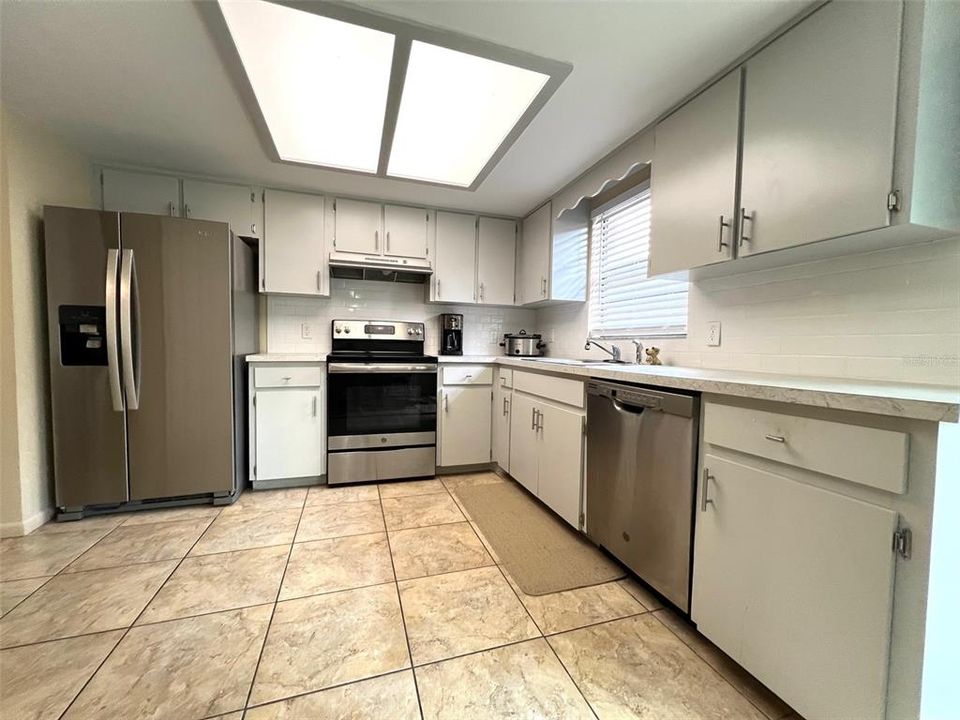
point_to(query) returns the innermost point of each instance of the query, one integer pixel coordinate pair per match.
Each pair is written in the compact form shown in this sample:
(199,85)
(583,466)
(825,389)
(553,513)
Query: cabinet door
(289,433)
(524,442)
(465,425)
(237,205)
(294,259)
(818,127)
(535,256)
(561,461)
(125,191)
(782,564)
(454,277)
(502,398)
(357,227)
(693,180)
(496,261)
(406,231)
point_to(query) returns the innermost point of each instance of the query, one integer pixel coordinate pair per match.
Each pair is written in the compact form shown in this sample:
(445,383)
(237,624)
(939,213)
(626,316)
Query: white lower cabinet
(464,422)
(524,442)
(287,436)
(502,401)
(795,582)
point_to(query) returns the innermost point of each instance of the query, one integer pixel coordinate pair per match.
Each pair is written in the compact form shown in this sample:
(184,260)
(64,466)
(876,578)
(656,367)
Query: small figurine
(653,356)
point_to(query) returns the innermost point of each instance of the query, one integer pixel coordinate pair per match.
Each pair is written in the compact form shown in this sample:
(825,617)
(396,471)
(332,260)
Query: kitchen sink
(566,361)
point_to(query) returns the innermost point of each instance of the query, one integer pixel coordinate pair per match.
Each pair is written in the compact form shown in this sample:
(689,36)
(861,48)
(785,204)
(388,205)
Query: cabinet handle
(286,379)
(318,281)
(186,211)
(376,240)
(172,208)
(253,228)
(744,216)
(539,421)
(776,438)
(543,286)
(481,292)
(704,498)
(388,241)
(533,418)
(438,287)
(720,243)
(504,406)
(445,406)
(314,405)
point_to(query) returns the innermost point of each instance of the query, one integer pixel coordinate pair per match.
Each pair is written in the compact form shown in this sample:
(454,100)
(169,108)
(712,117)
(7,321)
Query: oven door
(372,405)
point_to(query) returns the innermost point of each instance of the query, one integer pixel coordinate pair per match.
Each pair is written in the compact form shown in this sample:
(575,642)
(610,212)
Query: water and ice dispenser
(83,335)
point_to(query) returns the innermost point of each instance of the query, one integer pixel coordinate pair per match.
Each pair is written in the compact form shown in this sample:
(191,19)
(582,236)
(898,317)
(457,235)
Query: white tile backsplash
(885,315)
(369,300)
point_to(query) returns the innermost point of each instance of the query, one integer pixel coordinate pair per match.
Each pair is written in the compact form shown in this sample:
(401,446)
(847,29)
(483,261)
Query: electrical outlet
(713,333)
(306,331)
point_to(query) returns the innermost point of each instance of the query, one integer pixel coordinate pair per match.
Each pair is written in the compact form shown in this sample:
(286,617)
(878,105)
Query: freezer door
(82,264)
(175,290)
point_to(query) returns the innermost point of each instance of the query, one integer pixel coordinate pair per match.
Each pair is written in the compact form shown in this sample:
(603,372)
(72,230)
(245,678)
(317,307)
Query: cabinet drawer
(868,456)
(303,375)
(467,375)
(563,390)
(506,377)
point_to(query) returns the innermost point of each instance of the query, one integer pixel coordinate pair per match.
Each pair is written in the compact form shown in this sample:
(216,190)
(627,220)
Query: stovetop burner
(377,341)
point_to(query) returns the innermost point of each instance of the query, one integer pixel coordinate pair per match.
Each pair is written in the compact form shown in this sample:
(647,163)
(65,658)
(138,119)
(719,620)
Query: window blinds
(624,302)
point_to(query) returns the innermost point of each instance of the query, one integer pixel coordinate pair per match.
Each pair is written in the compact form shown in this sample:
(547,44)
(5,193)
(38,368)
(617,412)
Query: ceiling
(142,83)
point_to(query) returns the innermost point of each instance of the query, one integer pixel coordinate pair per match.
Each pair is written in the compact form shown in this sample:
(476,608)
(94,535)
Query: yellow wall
(37,168)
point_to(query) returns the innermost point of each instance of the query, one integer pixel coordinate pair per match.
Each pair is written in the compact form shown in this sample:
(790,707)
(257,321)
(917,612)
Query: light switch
(306,331)
(713,333)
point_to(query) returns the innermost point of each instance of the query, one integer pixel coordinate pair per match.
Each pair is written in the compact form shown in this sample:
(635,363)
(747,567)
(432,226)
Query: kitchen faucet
(639,351)
(613,351)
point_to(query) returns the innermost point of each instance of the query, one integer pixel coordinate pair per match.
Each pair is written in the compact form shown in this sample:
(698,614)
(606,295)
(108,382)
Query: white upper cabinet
(127,191)
(455,276)
(294,260)
(496,261)
(533,283)
(405,230)
(357,226)
(239,205)
(818,128)
(694,178)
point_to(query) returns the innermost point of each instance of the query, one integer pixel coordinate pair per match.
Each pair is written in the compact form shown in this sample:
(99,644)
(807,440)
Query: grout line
(403,617)
(328,687)
(47,578)
(273,611)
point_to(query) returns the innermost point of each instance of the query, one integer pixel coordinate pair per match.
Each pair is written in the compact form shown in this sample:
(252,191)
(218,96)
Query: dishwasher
(641,466)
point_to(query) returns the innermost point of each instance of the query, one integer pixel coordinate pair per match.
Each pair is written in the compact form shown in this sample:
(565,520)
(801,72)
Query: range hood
(379,267)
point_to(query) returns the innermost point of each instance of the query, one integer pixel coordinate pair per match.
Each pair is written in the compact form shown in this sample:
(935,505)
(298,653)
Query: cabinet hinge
(903,542)
(893,201)
(581,518)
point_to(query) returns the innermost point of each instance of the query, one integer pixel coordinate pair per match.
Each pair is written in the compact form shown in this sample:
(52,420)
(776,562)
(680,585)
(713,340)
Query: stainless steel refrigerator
(149,320)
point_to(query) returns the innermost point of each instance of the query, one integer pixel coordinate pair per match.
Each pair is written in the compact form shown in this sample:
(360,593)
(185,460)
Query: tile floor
(356,602)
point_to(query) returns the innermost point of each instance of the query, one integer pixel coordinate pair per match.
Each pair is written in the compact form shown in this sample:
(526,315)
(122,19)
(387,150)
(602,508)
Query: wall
(37,169)
(371,300)
(885,315)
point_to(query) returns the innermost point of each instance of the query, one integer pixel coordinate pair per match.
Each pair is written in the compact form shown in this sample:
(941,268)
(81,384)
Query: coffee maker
(451,334)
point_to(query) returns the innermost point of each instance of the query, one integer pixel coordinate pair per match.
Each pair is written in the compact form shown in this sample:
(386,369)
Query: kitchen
(587,387)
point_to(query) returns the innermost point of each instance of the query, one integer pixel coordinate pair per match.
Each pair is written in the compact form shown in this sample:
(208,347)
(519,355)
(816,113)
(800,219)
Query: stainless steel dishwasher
(641,465)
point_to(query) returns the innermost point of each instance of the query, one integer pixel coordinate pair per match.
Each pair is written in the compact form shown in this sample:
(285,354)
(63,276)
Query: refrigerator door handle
(130,329)
(113,358)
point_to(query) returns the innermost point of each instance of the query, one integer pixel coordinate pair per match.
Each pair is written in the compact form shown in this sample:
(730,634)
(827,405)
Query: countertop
(937,403)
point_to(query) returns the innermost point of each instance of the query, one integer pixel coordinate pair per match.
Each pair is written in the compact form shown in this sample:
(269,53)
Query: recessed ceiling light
(455,112)
(321,83)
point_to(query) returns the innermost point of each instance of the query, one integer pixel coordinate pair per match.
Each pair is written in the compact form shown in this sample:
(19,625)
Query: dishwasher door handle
(624,408)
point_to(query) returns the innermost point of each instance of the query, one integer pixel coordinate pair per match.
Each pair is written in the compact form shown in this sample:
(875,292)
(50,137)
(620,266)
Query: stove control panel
(377,330)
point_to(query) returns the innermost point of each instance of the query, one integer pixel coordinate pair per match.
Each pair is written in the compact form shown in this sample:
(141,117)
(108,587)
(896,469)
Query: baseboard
(25,527)
(460,469)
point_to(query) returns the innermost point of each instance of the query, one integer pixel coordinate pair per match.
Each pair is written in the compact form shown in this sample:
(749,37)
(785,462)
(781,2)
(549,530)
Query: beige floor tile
(452,482)
(81,603)
(177,514)
(640,593)
(101,523)
(755,691)
(420,511)
(246,530)
(40,681)
(328,521)
(517,681)
(322,566)
(462,612)
(141,543)
(561,611)
(635,667)
(189,668)
(405,488)
(225,581)
(437,549)
(326,495)
(390,697)
(486,543)
(13,592)
(324,640)
(279,499)
(43,554)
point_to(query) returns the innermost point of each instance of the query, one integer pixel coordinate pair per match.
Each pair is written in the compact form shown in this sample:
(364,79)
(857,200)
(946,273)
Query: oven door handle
(365,368)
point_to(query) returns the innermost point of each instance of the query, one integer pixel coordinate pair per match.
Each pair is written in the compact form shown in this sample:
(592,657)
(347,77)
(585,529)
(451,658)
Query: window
(624,302)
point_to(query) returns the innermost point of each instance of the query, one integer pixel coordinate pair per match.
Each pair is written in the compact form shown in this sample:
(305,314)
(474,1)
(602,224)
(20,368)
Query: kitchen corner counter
(286,358)
(937,403)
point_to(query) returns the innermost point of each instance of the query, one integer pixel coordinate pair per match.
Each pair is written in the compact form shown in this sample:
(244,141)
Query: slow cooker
(522,345)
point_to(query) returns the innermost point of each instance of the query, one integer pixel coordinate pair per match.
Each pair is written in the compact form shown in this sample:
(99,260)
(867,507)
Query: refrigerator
(149,319)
